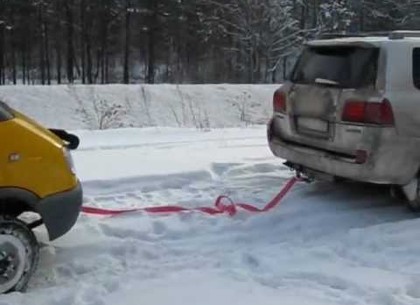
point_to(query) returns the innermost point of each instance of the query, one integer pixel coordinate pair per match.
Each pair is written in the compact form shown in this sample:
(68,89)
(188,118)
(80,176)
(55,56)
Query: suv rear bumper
(382,168)
(60,211)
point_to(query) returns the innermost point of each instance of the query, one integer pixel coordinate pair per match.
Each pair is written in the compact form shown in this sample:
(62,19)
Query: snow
(198,106)
(343,243)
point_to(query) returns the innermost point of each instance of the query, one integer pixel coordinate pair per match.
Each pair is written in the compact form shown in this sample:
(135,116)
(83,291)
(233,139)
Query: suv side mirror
(72,141)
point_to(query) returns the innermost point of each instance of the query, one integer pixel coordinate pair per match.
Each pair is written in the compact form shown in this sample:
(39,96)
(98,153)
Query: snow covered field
(326,243)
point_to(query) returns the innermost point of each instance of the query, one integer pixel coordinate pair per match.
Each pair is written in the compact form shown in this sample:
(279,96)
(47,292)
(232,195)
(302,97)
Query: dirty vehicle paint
(350,110)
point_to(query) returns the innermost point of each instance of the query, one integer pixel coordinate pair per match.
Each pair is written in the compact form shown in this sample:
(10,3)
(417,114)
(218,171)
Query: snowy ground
(89,107)
(326,243)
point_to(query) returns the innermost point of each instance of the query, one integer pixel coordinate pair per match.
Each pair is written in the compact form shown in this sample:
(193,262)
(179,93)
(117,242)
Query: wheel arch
(15,201)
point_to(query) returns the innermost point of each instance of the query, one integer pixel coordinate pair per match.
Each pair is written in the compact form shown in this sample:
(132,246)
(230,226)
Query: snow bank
(114,106)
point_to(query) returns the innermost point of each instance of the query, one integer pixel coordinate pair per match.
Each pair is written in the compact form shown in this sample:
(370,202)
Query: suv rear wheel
(19,254)
(410,193)
(414,205)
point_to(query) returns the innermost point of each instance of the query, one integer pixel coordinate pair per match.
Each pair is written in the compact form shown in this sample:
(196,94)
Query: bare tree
(102,41)
(69,6)
(127,12)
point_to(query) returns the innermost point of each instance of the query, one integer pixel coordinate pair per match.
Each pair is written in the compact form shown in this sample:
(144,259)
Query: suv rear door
(324,78)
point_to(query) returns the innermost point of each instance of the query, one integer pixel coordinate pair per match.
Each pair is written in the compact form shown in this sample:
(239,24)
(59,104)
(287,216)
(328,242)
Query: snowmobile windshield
(338,66)
(5,112)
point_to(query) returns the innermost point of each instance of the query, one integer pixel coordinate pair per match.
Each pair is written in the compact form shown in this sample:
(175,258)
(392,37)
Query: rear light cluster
(279,102)
(379,113)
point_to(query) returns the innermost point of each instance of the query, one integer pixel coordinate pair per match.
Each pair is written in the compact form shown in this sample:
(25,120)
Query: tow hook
(302,177)
(299,173)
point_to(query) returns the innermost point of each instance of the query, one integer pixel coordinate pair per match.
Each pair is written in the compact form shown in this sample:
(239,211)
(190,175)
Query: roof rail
(393,35)
(336,35)
(344,35)
(402,34)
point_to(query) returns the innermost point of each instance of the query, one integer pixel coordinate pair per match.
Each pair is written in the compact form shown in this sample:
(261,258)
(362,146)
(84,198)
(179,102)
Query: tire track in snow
(338,243)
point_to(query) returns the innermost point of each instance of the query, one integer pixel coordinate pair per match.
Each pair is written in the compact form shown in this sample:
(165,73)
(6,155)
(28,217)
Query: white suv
(351,109)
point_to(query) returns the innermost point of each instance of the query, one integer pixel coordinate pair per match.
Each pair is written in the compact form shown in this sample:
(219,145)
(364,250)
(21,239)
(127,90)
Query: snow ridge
(114,106)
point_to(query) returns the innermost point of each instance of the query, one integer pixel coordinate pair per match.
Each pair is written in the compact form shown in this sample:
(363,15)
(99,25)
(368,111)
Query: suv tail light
(379,113)
(279,101)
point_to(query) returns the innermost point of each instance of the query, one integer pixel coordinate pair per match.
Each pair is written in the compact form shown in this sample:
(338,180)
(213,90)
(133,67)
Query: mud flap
(410,190)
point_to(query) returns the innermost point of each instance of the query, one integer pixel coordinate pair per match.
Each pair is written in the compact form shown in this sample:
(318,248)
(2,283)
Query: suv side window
(416,67)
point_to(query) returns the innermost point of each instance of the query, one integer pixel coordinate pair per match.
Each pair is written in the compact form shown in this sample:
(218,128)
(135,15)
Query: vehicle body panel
(393,154)
(35,172)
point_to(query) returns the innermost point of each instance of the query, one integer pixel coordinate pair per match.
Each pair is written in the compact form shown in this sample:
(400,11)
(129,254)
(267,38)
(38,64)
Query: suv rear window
(5,112)
(341,66)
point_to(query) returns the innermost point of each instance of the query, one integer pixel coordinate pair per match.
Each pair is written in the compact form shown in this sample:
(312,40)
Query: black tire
(19,254)
(397,192)
(414,205)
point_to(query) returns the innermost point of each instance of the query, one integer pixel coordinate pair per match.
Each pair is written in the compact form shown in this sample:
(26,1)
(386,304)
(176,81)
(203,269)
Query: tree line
(175,41)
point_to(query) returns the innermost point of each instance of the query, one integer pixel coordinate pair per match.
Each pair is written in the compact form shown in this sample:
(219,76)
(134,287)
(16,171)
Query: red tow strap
(222,205)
